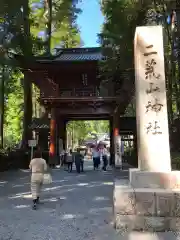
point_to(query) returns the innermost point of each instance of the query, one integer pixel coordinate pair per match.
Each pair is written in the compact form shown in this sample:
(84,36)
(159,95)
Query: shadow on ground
(74,206)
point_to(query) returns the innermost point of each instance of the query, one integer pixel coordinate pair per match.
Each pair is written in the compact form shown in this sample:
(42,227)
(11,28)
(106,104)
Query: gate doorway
(87,133)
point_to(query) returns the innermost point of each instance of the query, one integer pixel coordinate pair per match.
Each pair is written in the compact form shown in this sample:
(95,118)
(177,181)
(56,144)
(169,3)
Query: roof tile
(79,57)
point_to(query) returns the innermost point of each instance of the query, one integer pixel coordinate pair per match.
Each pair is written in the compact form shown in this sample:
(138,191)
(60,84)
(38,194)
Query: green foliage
(82,130)
(13,109)
(64,31)
(20,26)
(122,17)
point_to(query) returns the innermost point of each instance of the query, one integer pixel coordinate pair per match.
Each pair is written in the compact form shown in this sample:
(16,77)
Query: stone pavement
(74,207)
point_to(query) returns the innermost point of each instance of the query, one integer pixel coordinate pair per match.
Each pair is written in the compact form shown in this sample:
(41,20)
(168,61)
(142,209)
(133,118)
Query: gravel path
(74,207)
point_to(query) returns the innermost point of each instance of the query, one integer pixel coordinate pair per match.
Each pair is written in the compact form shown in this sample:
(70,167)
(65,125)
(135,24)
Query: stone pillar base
(145,209)
(145,179)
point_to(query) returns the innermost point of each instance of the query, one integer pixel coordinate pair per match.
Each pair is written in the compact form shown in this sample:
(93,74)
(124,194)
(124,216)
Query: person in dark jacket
(79,161)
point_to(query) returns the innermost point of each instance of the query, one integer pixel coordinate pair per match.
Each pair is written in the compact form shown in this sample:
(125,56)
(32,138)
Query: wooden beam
(45,84)
(88,117)
(80,100)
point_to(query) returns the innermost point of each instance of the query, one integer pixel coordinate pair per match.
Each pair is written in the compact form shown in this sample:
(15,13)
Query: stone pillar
(52,144)
(151,104)
(149,202)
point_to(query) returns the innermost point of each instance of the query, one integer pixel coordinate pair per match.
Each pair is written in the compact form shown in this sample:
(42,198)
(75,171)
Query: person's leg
(82,166)
(39,191)
(62,160)
(103,166)
(65,166)
(68,165)
(103,162)
(34,194)
(98,162)
(94,163)
(65,163)
(34,207)
(78,168)
(71,164)
(106,162)
(103,158)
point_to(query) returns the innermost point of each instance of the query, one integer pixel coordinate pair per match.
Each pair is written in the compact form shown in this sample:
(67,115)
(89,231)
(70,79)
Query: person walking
(96,158)
(62,153)
(38,167)
(69,160)
(105,158)
(79,161)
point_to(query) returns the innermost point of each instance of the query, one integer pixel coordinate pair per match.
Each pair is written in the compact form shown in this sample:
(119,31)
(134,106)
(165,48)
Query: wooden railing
(79,92)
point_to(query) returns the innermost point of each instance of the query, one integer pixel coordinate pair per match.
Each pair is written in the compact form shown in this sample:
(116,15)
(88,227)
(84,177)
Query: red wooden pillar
(52,144)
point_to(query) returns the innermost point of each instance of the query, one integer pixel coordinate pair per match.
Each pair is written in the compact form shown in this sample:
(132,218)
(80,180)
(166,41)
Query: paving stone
(127,223)
(145,202)
(165,203)
(75,207)
(174,224)
(124,201)
(177,204)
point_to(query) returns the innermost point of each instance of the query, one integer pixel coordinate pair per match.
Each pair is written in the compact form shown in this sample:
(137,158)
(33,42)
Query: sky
(90,22)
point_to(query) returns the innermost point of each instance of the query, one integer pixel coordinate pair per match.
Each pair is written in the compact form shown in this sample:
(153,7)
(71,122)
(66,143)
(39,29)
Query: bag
(47,178)
(69,159)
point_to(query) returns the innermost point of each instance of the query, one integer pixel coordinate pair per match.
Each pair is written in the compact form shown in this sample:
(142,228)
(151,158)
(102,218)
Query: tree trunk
(48,18)
(27,50)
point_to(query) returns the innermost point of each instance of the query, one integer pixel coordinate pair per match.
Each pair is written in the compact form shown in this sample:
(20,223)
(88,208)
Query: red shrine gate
(69,84)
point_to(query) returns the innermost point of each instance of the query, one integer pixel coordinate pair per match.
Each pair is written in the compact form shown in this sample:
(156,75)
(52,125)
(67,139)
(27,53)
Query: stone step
(143,205)
(128,223)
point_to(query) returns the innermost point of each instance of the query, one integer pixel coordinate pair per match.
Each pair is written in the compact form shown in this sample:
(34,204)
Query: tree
(55,22)
(20,32)
(121,19)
